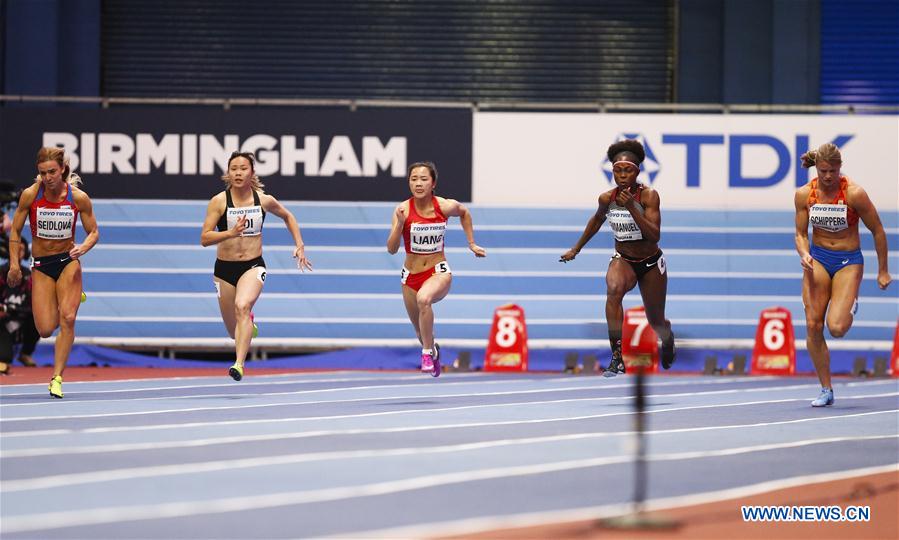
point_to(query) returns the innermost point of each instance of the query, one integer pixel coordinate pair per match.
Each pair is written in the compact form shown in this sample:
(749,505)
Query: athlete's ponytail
(828,152)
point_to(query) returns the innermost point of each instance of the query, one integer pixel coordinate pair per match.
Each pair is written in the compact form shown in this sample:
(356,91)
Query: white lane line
(243,384)
(531,519)
(130,473)
(238,439)
(356,389)
(119,447)
(121,514)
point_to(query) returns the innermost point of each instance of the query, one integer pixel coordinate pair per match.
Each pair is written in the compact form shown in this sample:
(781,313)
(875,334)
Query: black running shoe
(616,365)
(669,352)
(436,351)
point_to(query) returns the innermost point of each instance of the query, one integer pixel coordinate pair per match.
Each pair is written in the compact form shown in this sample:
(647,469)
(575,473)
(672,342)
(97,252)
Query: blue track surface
(404,455)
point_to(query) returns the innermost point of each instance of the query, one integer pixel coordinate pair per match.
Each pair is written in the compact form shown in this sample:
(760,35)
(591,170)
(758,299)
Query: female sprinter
(426,277)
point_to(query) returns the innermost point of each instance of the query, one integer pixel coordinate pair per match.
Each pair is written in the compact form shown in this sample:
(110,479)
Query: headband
(625,162)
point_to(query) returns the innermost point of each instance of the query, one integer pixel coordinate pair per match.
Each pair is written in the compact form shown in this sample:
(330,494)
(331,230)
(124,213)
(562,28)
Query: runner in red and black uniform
(426,277)
(52,205)
(633,212)
(832,262)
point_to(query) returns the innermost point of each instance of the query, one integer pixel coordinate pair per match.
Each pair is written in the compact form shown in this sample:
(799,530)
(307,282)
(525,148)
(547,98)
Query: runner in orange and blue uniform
(832,262)
(426,277)
(53,204)
(633,212)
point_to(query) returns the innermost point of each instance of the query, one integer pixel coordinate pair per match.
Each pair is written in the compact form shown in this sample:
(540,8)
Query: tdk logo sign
(784,157)
(201,153)
(650,165)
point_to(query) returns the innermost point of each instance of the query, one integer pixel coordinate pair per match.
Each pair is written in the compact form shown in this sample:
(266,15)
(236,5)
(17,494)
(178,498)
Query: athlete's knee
(44,331)
(67,318)
(839,328)
(814,327)
(615,292)
(242,308)
(424,301)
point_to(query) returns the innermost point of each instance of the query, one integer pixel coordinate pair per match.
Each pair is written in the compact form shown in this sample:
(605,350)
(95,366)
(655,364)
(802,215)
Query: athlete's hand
(302,262)
(477,250)
(568,256)
(624,198)
(884,279)
(77,251)
(806,261)
(14,277)
(239,227)
(400,214)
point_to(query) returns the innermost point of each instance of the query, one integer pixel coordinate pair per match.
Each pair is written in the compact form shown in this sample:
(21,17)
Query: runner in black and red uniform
(426,277)
(634,214)
(52,205)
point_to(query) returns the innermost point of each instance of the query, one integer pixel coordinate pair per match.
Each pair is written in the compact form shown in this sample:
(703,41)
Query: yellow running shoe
(235,371)
(255,328)
(56,386)
(83,297)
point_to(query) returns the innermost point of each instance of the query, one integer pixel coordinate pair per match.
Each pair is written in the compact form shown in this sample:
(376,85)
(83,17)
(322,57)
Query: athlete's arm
(593,225)
(88,222)
(14,276)
(868,214)
(650,221)
(802,243)
(272,205)
(214,210)
(452,207)
(400,214)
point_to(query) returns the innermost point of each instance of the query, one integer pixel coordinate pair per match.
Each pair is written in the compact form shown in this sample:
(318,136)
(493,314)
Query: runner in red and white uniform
(421,222)
(52,204)
(633,211)
(832,262)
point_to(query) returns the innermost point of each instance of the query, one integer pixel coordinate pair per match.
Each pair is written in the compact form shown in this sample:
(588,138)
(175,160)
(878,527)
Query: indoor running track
(399,454)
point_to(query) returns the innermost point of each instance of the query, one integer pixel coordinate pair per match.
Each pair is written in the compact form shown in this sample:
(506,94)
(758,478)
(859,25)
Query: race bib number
(829,217)
(426,237)
(623,226)
(254,219)
(55,223)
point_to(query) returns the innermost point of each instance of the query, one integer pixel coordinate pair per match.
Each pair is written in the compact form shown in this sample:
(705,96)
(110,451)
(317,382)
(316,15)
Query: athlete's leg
(249,287)
(432,291)
(226,292)
(43,303)
(653,290)
(815,297)
(843,294)
(68,298)
(411,303)
(620,278)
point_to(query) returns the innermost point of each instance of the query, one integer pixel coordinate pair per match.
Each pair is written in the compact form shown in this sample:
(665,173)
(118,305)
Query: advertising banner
(302,154)
(727,162)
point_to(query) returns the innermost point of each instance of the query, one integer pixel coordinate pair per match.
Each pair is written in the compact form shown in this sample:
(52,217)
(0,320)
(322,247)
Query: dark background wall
(764,51)
(691,51)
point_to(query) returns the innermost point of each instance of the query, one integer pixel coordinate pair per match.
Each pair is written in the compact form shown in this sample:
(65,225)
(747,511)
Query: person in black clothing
(16,319)
(633,211)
